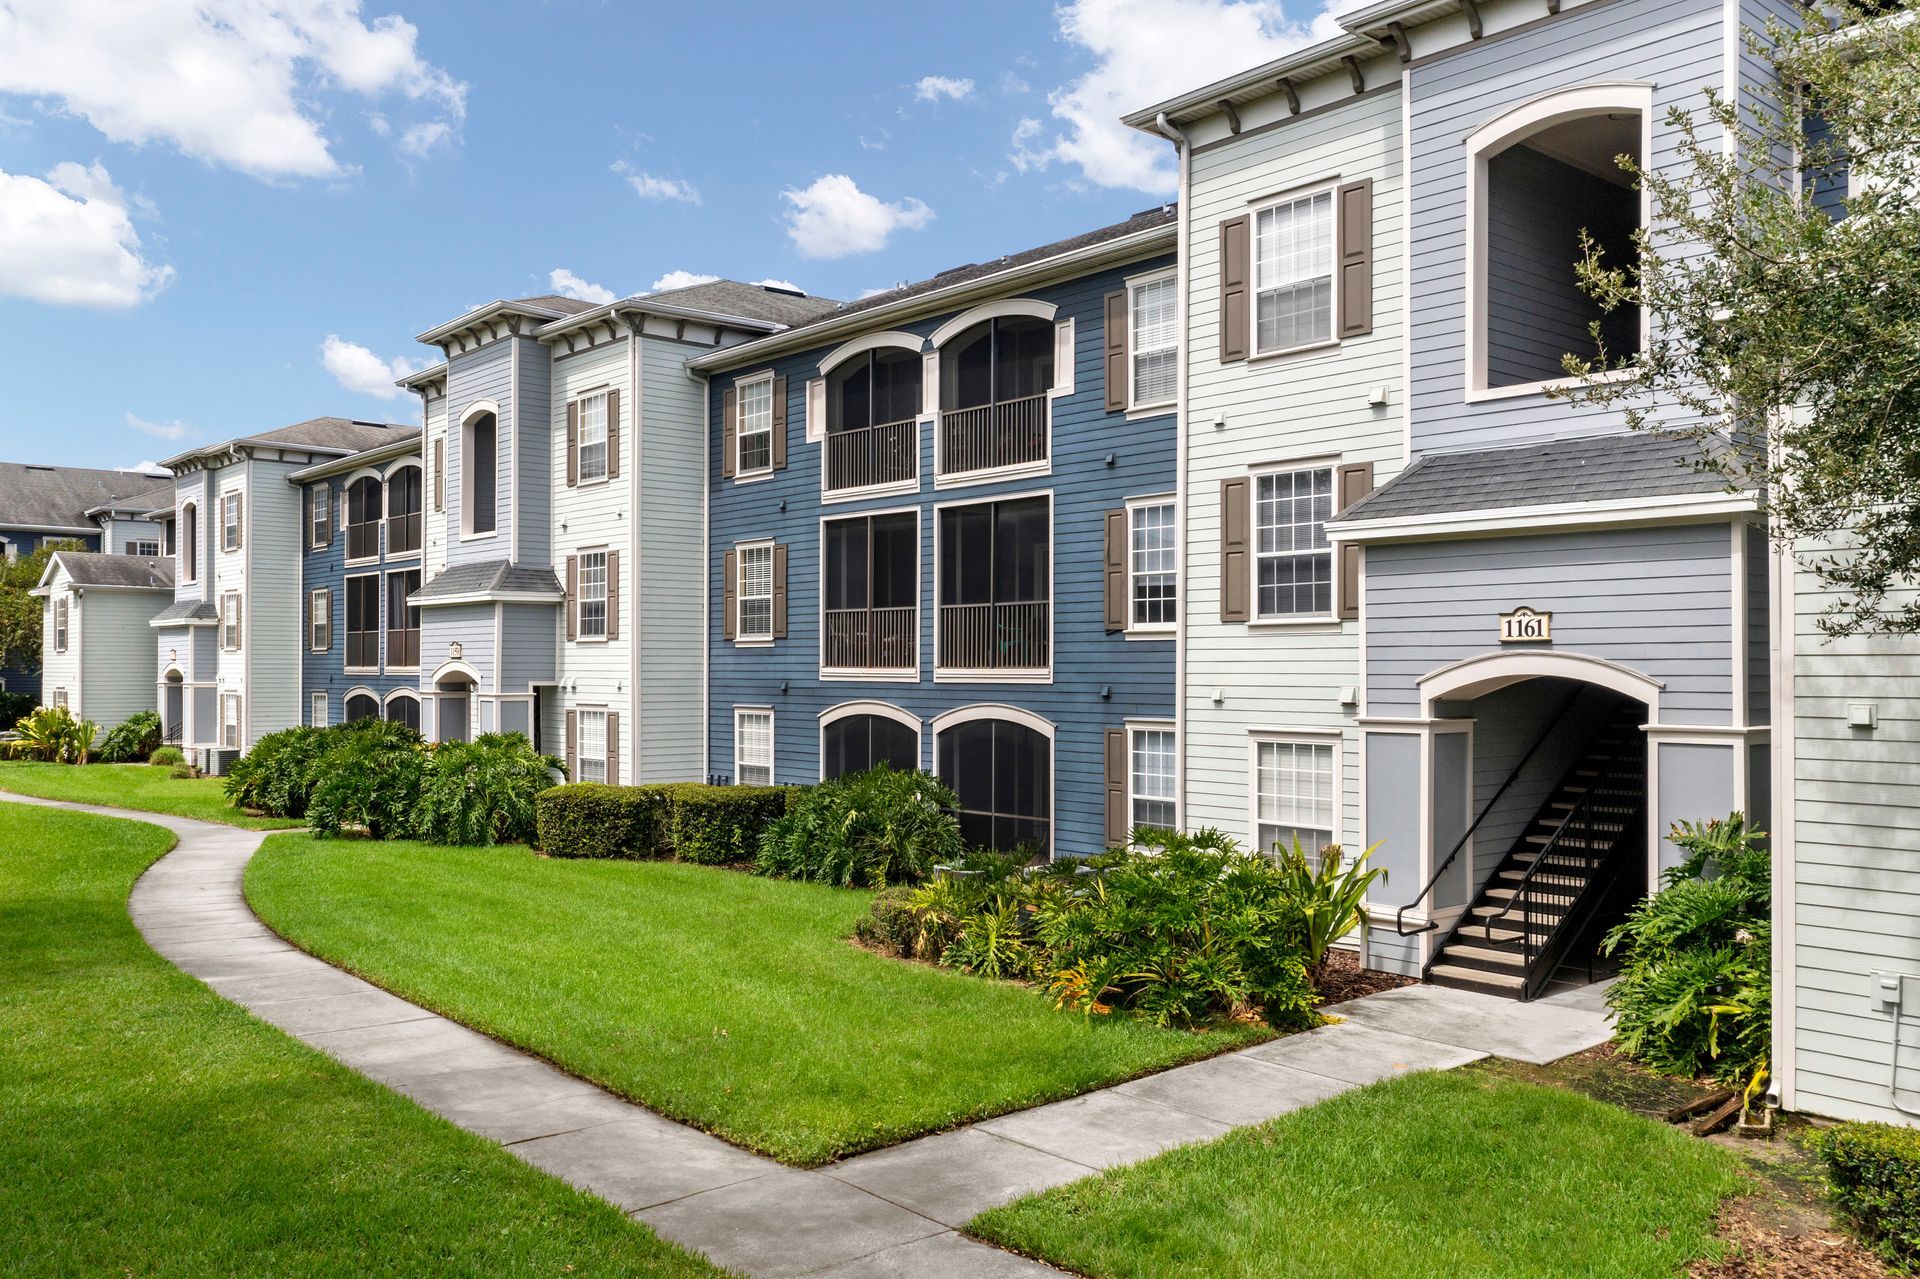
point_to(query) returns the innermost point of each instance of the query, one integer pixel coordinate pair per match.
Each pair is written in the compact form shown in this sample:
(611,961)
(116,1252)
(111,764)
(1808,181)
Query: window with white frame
(756,592)
(230,621)
(1293,560)
(59,697)
(1293,269)
(1153,340)
(319,515)
(754,435)
(590,750)
(320,620)
(593,437)
(1150,789)
(189,543)
(1294,793)
(753,747)
(593,595)
(230,720)
(230,521)
(1153,566)
(319,710)
(150,549)
(60,622)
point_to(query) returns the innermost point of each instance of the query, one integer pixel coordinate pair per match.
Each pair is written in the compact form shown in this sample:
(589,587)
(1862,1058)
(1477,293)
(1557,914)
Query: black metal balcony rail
(868,456)
(1010,433)
(872,639)
(996,637)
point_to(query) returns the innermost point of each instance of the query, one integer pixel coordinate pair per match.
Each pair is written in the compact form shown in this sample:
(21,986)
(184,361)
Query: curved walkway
(890,1214)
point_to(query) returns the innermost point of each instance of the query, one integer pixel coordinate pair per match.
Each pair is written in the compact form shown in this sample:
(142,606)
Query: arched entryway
(173,709)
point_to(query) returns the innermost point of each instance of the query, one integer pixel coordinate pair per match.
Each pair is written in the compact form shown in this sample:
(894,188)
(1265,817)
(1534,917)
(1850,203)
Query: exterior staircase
(1561,871)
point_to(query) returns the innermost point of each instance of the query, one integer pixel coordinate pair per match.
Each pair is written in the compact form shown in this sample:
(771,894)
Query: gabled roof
(402,444)
(129,572)
(1259,82)
(489,580)
(157,498)
(61,497)
(748,301)
(326,434)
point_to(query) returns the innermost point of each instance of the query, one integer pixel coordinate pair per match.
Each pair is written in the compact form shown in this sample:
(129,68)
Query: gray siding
(485,374)
(528,635)
(531,497)
(116,680)
(670,615)
(471,625)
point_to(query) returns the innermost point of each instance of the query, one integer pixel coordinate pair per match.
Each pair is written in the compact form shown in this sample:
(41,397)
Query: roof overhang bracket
(1233,116)
(1397,37)
(1472,9)
(1553,6)
(1293,95)
(1353,70)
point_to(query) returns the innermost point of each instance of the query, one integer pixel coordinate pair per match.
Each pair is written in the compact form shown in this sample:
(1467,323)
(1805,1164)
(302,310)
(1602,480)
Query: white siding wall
(226,571)
(1312,405)
(119,534)
(275,608)
(60,671)
(116,643)
(434,523)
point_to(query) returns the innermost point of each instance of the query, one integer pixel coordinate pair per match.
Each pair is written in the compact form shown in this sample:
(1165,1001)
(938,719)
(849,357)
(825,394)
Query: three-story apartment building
(942,536)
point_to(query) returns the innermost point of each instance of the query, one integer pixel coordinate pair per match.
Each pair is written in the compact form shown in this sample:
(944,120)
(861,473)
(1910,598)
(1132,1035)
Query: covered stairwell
(1568,877)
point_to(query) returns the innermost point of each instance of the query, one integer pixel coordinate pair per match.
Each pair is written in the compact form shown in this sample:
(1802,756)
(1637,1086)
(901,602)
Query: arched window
(855,743)
(190,543)
(405,494)
(362,705)
(403,707)
(1002,770)
(1544,175)
(873,401)
(363,519)
(479,445)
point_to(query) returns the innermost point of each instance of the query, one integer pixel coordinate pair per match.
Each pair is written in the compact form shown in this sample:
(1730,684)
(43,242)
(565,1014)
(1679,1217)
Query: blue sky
(223,216)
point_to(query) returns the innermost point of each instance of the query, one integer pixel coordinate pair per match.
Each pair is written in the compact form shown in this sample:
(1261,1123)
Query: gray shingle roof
(1598,468)
(60,496)
(749,302)
(334,433)
(554,302)
(489,577)
(186,611)
(90,568)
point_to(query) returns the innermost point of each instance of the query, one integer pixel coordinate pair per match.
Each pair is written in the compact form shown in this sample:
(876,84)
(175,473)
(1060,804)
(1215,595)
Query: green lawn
(1427,1177)
(153,1129)
(728,1001)
(145,787)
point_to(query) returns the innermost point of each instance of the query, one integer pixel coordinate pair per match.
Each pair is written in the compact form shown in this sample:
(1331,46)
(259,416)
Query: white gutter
(1183,228)
(1559,515)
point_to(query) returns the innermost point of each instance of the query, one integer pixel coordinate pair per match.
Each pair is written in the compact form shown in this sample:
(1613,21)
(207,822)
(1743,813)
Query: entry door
(450,717)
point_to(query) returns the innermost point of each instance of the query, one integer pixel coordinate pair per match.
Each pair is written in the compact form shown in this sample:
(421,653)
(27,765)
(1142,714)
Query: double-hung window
(1294,794)
(60,617)
(1293,270)
(756,592)
(319,515)
(230,621)
(1153,566)
(1293,560)
(1150,787)
(593,437)
(1153,341)
(590,753)
(320,620)
(230,521)
(593,595)
(319,715)
(230,720)
(755,433)
(753,747)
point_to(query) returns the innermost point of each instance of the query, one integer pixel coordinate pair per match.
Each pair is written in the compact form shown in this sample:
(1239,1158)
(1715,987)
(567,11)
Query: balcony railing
(403,648)
(1011,433)
(363,650)
(872,639)
(403,534)
(996,637)
(363,540)
(873,455)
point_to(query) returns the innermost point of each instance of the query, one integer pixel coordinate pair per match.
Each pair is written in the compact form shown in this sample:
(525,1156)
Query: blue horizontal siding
(326,567)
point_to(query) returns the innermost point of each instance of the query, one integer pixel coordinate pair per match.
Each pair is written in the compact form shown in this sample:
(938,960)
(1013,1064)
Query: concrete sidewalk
(893,1212)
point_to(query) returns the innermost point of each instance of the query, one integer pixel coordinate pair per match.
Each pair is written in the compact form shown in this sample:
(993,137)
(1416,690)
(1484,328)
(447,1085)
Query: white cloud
(648,187)
(359,370)
(1143,51)
(680,280)
(788,285)
(231,82)
(422,140)
(68,239)
(569,285)
(174,430)
(151,468)
(932,88)
(834,218)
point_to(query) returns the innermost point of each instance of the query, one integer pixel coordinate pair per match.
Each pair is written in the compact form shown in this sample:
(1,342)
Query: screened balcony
(994,405)
(404,493)
(871,615)
(995,588)
(363,519)
(872,435)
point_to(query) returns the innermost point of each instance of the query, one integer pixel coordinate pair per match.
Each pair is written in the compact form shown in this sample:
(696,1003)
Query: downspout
(1183,147)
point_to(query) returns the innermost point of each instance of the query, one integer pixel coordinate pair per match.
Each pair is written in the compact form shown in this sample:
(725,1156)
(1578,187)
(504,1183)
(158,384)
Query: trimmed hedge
(712,825)
(1875,1173)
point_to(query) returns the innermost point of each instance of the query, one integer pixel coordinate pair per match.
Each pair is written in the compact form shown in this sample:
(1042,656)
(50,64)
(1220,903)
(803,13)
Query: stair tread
(1511,981)
(1484,954)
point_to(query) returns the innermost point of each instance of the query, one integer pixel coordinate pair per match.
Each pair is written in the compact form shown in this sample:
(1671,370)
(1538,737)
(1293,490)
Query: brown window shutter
(573,597)
(613,748)
(440,473)
(1116,787)
(780,591)
(573,745)
(573,443)
(326,515)
(729,423)
(1116,562)
(239,520)
(613,595)
(1351,483)
(1234,549)
(779,423)
(613,435)
(1356,258)
(1235,275)
(326,623)
(1117,326)
(729,591)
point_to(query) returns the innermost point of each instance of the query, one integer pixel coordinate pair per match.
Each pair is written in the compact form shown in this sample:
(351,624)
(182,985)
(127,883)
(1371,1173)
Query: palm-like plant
(1331,894)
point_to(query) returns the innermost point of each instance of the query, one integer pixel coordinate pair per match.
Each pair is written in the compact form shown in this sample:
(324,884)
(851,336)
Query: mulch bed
(1345,979)
(1760,1246)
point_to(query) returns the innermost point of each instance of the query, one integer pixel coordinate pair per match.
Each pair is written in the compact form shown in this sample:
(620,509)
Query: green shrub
(591,819)
(864,830)
(278,775)
(1695,990)
(51,733)
(13,708)
(721,825)
(369,778)
(482,792)
(1329,892)
(890,924)
(133,738)
(181,771)
(167,755)
(1874,1170)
